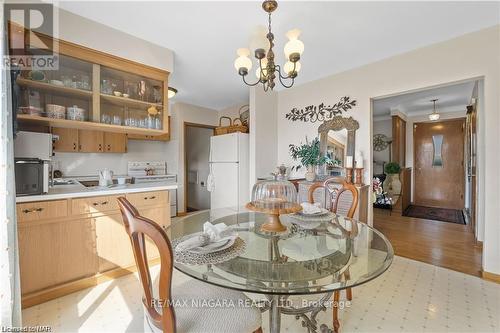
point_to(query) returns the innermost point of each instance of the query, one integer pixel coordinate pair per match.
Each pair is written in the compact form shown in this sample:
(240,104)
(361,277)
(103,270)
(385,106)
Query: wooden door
(68,139)
(439,184)
(115,142)
(55,252)
(90,141)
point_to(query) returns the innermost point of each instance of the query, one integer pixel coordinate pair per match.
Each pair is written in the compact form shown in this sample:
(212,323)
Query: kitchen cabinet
(90,141)
(115,142)
(54,252)
(115,94)
(67,141)
(71,244)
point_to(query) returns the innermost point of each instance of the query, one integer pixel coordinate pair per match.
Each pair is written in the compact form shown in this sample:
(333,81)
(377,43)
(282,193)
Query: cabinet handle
(109,147)
(95,203)
(100,147)
(145,198)
(104,203)
(74,146)
(31,210)
(153,197)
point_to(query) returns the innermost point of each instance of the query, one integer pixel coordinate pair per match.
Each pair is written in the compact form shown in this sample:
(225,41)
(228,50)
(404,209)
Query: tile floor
(410,297)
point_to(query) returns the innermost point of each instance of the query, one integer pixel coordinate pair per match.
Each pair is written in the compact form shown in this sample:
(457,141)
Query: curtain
(10,292)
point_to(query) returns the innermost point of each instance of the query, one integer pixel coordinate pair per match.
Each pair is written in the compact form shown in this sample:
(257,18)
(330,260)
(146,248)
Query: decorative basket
(231,128)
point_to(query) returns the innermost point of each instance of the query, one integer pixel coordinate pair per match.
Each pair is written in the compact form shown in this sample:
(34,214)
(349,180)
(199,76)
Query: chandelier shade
(434,115)
(261,44)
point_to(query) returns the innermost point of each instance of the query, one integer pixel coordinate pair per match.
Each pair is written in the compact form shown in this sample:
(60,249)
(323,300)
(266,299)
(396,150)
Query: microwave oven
(32,176)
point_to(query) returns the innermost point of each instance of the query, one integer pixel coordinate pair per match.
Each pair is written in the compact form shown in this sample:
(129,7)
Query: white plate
(322,212)
(215,247)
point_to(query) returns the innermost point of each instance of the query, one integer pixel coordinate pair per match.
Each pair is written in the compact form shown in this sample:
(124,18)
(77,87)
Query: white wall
(181,113)
(263,134)
(381,127)
(82,31)
(232,111)
(85,164)
(472,55)
(197,153)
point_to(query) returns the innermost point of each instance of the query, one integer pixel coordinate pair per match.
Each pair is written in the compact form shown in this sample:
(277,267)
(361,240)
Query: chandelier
(263,44)
(434,115)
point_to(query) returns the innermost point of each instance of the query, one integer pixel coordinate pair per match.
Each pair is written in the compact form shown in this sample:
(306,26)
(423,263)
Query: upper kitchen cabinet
(92,90)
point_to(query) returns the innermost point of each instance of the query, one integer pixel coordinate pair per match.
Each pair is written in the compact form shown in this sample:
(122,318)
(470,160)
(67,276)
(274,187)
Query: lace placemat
(191,258)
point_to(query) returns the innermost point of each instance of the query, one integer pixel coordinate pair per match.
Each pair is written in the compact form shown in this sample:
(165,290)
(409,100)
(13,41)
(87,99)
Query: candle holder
(348,175)
(358,176)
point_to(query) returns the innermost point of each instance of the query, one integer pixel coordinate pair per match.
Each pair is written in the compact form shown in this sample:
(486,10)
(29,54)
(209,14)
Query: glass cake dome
(274,195)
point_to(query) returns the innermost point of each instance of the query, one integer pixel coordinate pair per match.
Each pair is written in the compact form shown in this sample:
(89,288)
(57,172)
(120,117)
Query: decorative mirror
(337,140)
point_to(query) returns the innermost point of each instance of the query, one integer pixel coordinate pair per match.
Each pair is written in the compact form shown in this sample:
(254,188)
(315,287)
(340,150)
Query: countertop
(79,191)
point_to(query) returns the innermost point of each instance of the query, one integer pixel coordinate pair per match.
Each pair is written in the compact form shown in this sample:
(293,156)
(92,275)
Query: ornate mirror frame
(337,123)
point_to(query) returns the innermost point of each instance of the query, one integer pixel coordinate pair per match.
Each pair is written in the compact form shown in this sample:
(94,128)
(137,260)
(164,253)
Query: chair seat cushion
(204,308)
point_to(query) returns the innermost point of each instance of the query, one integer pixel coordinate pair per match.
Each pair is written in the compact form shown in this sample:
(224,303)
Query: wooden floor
(442,244)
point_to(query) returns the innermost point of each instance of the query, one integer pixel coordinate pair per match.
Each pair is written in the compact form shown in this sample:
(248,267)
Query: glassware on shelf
(67,80)
(141,89)
(117,120)
(106,87)
(157,94)
(85,82)
(105,118)
(158,123)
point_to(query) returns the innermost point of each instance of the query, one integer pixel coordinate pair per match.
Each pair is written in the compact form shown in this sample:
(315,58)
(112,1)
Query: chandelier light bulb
(243,61)
(264,69)
(288,68)
(434,116)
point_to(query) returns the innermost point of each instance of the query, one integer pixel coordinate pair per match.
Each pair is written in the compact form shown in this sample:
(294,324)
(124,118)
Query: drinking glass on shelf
(105,118)
(117,120)
(158,123)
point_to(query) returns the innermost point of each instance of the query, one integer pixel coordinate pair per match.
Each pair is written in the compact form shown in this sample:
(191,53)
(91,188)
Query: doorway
(437,178)
(197,152)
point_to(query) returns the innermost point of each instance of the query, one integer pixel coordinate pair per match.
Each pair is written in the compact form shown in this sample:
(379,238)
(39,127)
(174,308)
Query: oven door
(29,176)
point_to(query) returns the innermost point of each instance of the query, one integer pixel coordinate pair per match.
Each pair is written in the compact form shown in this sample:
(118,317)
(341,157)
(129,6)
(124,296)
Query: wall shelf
(53,88)
(88,125)
(130,102)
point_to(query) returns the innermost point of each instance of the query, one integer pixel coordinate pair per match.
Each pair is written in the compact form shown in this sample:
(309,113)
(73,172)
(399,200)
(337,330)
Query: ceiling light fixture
(263,44)
(434,115)
(171,92)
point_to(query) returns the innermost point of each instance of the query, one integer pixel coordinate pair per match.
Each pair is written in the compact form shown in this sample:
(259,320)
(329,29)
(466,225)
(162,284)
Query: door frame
(187,124)
(414,187)
(480,140)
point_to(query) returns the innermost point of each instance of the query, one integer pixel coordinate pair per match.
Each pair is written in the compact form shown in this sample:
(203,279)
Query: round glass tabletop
(312,256)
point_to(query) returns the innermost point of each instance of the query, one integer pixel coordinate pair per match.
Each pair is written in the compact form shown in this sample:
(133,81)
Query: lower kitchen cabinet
(71,244)
(55,252)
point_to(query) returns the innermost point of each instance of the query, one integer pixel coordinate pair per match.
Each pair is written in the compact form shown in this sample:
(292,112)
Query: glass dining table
(314,256)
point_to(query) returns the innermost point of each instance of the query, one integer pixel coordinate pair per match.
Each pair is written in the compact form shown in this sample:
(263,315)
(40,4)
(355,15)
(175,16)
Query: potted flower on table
(309,155)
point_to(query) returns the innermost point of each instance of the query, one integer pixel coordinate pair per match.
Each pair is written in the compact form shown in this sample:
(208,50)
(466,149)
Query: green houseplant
(309,155)
(392,168)
(392,183)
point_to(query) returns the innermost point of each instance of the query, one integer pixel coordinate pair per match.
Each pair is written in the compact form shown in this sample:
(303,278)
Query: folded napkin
(212,238)
(308,208)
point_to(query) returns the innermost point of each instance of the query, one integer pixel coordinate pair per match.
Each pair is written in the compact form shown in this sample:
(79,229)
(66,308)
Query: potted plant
(392,183)
(309,155)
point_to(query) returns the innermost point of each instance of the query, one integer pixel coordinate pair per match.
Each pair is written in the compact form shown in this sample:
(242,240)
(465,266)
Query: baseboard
(491,276)
(179,214)
(48,294)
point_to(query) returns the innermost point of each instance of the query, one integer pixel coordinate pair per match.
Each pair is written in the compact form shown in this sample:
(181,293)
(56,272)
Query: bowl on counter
(76,113)
(55,111)
(117,93)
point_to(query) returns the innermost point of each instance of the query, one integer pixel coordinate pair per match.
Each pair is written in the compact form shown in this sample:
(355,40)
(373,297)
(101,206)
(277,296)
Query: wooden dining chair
(342,201)
(161,313)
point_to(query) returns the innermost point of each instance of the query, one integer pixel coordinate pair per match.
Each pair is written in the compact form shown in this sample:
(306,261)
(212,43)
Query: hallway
(446,245)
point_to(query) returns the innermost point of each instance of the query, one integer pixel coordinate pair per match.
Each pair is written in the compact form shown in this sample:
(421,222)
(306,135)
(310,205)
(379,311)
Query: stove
(154,172)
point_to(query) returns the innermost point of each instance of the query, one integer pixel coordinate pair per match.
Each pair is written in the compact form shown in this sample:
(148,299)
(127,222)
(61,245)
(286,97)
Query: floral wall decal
(321,112)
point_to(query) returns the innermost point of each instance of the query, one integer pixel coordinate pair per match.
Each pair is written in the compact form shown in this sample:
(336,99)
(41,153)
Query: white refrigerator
(228,180)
